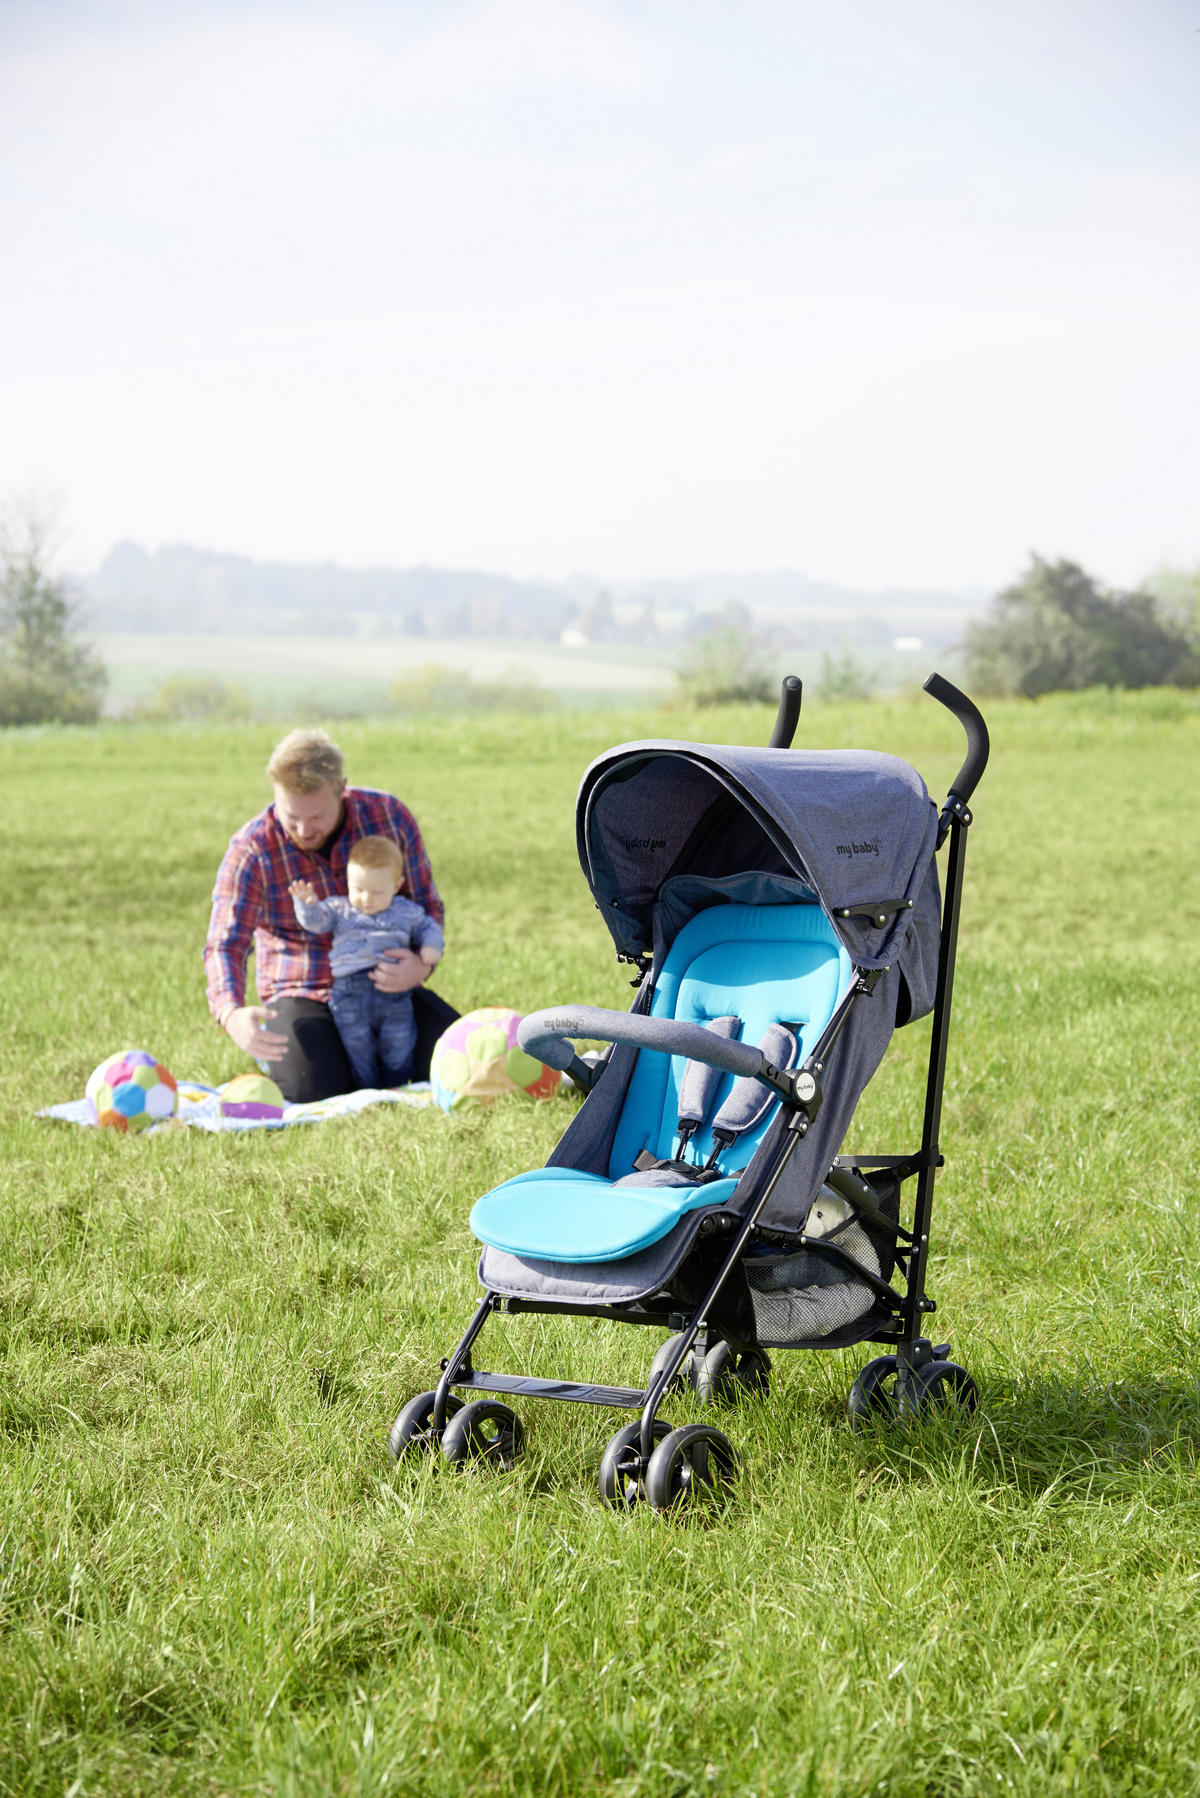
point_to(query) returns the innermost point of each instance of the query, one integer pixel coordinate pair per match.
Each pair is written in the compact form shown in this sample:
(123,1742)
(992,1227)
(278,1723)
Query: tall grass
(212,1580)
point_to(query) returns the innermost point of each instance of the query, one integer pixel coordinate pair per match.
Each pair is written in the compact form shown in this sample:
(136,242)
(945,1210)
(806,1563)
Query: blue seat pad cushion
(558,1214)
(765,964)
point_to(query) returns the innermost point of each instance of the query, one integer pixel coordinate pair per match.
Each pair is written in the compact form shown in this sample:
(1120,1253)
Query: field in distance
(356,671)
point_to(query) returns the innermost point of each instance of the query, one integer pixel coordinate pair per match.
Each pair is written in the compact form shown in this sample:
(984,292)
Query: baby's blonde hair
(379,852)
(305,761)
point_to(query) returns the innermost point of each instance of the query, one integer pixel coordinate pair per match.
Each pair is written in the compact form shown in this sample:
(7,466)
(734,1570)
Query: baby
(378,1029)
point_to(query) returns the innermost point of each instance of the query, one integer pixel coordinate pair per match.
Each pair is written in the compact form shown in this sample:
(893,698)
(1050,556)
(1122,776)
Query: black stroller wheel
(484,1431)
(725,1376)
(688,1464)
(873,1394)
(413,1432)
(939,1385)
(622,1470)
(945,1386)
(665,1351)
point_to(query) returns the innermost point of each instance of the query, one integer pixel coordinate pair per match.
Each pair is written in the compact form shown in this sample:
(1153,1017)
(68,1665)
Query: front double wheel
(690,1465)
(413,1432)
(484,1433)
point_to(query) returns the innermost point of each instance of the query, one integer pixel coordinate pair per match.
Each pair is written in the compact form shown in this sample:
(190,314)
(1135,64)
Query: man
(307,834)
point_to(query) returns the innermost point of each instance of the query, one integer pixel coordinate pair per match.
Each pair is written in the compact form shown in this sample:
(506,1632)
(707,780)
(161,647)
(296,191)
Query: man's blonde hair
(305,761)
(379,852)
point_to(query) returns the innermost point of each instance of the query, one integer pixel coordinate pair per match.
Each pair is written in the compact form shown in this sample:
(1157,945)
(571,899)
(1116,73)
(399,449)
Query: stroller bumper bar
(545,1034)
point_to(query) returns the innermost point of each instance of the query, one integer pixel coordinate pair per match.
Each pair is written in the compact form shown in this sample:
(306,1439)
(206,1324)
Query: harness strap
(699,1085)
(744,1107)
(748,1101)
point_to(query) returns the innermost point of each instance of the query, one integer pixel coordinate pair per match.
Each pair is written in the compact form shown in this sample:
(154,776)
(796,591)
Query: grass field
(212,1579)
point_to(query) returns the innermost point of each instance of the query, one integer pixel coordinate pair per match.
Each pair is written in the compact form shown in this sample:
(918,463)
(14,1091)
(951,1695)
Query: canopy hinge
(879,911)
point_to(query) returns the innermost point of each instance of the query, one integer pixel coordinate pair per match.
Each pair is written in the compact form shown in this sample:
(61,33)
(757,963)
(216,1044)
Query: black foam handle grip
(978,742)
(788,716)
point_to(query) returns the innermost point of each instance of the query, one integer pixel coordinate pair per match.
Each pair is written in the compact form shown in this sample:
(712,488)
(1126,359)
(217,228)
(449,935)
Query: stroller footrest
(627,1398)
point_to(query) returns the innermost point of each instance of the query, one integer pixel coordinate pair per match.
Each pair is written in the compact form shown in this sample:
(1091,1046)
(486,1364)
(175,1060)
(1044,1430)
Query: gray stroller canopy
(857,828)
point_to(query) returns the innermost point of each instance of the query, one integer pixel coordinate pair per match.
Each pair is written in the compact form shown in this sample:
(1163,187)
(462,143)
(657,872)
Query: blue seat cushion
(557,1214)
(764,964)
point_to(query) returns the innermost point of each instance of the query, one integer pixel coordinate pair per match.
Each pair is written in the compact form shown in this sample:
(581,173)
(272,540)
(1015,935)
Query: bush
(845,677)
(726,667)
(47,675)
(1057,630)
(30,698)
(432,688)
(195,698)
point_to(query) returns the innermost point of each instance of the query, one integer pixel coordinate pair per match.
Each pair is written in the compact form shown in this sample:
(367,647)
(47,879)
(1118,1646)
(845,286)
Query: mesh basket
(790,1309)
(810,1300)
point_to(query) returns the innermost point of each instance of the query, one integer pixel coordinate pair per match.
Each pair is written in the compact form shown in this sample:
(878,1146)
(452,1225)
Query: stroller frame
(647,1458)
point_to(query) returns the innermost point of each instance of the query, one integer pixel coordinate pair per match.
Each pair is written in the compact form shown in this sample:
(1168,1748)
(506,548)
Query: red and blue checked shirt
(252,908)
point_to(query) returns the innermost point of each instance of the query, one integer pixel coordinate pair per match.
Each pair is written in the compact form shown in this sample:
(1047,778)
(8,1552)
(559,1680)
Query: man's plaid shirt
(252,907)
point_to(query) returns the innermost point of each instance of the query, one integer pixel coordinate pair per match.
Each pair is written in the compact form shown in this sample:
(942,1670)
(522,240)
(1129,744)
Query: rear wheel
(484,1431)
(873,1394)
(945,1386)
(940,1385)
(413,1433)
(688,1465)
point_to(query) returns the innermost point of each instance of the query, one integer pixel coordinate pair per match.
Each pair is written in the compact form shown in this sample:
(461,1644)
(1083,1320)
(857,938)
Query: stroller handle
(978,742)
(788,715)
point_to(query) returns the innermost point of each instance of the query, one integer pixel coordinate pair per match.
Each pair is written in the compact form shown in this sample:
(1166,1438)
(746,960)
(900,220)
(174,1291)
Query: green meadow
(213,1580)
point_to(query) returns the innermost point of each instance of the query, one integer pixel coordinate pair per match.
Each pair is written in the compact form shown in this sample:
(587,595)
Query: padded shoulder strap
(748,1101)
(700,1082)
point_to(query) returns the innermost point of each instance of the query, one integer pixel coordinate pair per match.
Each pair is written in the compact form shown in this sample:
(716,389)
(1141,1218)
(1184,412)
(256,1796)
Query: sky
(889,292)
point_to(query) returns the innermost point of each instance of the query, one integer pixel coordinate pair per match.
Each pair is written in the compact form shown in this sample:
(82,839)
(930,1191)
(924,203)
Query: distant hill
(178,588)
(181,588)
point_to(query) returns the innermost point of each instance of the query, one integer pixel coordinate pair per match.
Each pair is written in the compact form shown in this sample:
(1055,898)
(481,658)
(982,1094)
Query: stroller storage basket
(810,1298)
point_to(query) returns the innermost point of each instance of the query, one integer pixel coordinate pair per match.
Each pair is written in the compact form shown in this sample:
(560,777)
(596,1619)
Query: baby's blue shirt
(359,940)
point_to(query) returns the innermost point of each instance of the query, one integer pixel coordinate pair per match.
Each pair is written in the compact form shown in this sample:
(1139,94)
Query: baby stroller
(781,908)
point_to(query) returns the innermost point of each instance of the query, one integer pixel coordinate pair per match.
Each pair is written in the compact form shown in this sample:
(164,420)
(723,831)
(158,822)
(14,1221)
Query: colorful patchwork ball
(478,1058)
(131,1091)
(252,1096)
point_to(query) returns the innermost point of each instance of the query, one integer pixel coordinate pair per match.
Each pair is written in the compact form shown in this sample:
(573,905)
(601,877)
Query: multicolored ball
(479,1058)
(132,1091)
(252,1096)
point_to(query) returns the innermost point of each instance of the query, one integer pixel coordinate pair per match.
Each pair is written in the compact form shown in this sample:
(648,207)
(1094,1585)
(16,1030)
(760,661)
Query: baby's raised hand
(303,890)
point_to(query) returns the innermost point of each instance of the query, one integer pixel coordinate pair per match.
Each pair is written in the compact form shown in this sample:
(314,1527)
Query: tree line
(1055,629)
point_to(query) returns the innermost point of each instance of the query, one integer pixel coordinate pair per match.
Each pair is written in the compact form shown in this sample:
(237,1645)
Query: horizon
(575,577)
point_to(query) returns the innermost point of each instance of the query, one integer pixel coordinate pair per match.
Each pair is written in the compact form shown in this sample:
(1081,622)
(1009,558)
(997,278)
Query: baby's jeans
(377,1029)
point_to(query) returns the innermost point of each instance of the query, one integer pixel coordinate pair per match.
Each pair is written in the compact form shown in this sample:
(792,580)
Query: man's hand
(248,1028)
(399,971)
(304,891)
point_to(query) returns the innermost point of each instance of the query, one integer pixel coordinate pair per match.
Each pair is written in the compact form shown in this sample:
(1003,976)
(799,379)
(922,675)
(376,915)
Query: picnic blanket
(201,1106)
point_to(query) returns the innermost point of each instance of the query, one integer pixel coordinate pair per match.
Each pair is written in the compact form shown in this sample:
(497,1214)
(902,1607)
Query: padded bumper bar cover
(544,1034)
